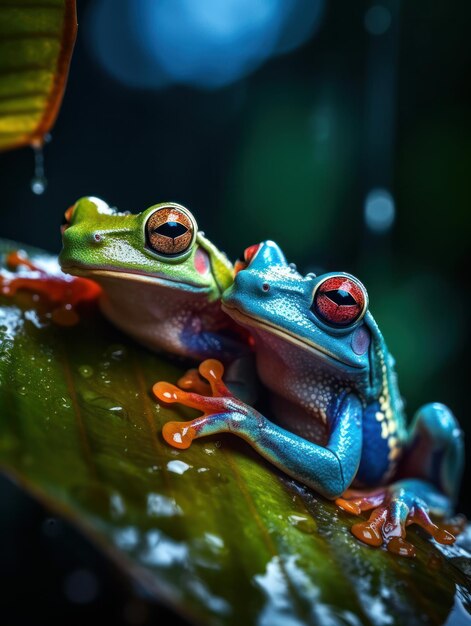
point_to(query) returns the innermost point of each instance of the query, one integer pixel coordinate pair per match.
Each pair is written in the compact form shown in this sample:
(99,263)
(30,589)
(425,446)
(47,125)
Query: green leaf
(214,532)
(36,42)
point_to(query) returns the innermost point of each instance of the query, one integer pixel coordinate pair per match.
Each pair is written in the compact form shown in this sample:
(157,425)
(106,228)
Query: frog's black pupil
(171,229)
(341,297)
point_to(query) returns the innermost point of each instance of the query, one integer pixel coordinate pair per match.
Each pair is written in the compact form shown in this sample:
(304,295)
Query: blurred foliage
(36,43)
(292,171)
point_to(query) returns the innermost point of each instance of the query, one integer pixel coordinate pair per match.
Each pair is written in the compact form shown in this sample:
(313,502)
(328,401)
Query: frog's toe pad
(401,547)
(179,434)
(192,381)
(167,392)
(368,533)
(443,536)
(350,506)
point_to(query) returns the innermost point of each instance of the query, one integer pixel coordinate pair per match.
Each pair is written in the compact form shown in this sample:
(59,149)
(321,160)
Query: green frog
(161,278)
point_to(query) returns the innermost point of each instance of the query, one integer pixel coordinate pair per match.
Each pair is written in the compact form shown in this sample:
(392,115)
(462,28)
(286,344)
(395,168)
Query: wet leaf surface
(36,43)
(213,532)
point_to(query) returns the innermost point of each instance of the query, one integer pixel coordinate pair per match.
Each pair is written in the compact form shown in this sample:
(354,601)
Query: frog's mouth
(254,322)
(99,276)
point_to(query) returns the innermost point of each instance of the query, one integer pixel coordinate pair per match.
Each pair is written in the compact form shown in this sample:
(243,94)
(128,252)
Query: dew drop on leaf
(85,371)
(39,181)
(302,523)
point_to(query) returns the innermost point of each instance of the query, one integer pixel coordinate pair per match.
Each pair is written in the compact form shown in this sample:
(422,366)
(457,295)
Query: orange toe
(167,392)
(368,533)
(179,434)
(212,369)
(349,506)
(441,535)
(401,547)
(191,381)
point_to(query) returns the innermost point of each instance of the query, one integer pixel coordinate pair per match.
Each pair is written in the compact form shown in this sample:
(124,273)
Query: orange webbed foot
(61,293)
(393,509)
(215,407)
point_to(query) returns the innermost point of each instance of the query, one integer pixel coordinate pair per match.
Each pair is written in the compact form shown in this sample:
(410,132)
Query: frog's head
(325,315)
(161,245)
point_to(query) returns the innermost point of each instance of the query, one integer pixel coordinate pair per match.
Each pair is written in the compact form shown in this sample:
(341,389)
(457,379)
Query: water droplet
(116,352)
(23,391)
(38,185)
(39,181)
(102,403)
(117,507)
(303,523)
(178,467)
(162,506)
(63,402)
(85,371)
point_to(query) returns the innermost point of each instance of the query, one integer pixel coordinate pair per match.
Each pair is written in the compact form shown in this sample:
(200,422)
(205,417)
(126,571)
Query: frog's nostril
(265,287)
(97,238)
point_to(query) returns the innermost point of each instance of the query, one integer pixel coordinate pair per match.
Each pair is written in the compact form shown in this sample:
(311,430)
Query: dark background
(292,151)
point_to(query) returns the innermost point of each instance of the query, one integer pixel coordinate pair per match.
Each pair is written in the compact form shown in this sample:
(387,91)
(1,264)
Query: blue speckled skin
(340,418)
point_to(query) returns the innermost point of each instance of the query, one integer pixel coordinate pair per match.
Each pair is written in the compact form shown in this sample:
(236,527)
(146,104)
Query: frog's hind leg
(394,508)
(428,476)
(435,451)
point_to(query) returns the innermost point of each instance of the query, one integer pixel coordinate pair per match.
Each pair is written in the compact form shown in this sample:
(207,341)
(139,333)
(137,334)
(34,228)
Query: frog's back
(384,421)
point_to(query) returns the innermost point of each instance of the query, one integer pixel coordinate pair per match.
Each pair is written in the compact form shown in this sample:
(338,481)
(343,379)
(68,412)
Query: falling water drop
(39,181)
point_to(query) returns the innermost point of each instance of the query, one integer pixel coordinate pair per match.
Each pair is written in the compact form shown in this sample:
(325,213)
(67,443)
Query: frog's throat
(96,275)
(252,321)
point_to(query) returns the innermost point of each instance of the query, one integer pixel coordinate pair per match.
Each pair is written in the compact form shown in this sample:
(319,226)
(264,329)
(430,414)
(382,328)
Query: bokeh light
(379,210)
(377,20)
(208,43)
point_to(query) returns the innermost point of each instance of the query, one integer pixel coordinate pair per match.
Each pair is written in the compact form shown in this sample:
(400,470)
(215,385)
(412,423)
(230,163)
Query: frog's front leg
(240,377)
(435,451)
(329,470)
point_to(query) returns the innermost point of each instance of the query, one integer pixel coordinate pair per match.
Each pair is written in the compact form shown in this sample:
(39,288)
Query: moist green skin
(164,303)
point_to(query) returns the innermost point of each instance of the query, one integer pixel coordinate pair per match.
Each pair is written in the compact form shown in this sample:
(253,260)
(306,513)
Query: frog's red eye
(170,230)
(246,257)
(340,300)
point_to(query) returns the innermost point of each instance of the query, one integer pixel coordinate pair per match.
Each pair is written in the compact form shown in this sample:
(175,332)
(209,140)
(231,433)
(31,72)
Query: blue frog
(340,424)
